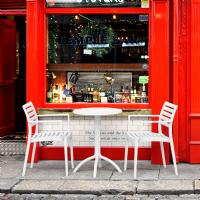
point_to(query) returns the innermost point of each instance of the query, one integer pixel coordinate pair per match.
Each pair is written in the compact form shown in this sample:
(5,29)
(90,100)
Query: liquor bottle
(69,98)
(134,90)
(144,98)
(56,95)
(103,97)
(133,94)
(61,89)
(143,93)
(50,95)
(96,96)
(64,93)
(126,96)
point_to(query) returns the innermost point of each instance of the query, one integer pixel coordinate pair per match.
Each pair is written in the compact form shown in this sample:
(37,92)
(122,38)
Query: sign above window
(96,3)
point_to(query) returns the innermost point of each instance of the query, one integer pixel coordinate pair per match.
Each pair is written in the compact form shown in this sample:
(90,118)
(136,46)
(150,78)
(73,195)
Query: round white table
(97,113)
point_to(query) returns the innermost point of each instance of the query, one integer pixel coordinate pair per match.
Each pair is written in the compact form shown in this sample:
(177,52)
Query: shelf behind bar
(128,106)
(98,67)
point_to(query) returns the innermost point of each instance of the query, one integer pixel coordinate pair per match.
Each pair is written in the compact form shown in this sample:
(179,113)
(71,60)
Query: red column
(159,62)
(193,72)
(175,64)
(35,52)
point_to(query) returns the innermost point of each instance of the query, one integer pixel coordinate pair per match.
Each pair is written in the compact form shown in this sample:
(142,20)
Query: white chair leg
(95,167)
(33,154)
(135,158)
(163,154)
(126,155)
(100,163)
(66,156)
(71,152)
(173,156)
(26,158)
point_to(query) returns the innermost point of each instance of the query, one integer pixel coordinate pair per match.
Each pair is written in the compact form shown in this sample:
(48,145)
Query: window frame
(97,10)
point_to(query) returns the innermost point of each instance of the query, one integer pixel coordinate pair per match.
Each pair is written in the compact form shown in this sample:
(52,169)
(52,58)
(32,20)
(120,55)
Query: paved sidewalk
(48,177)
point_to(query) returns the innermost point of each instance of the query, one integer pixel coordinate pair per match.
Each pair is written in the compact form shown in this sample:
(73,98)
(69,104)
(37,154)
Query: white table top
(97,111)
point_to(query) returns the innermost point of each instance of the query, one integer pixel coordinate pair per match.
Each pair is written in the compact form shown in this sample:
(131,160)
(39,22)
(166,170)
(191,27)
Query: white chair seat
(149,136)
(48,136)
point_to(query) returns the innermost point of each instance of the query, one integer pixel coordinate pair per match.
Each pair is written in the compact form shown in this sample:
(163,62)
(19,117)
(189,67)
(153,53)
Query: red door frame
(159,60)
(7,77)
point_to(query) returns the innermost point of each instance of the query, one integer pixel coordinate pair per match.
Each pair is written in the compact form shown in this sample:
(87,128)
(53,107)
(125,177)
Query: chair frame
(165,118)
(64,135)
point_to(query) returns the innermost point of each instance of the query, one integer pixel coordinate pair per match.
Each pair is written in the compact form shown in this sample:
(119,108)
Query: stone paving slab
(38,186)
(185,171)
(99,187)
(166,187)
(7,184)
(11,169)
(197,186)
(75,187)
(143,174)
(56,170)
(95,197)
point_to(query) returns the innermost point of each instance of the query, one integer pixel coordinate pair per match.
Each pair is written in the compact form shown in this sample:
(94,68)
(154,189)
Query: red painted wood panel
(12,4)
(195,58)
(114,153)
(193,78)
(35,51)
(159,62)
(174,69)
(7,76)
(12,12)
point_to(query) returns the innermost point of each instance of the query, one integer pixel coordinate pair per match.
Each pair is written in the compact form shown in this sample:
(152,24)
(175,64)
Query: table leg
(83,162)
(97,150)
(111,162)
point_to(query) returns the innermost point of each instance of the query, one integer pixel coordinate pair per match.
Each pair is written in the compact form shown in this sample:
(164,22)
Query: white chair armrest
(152,122)
(143,115)
(53,115)
(46,121)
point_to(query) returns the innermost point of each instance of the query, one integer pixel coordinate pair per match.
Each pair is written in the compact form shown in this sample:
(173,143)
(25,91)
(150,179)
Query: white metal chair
(165,118)
(62,133)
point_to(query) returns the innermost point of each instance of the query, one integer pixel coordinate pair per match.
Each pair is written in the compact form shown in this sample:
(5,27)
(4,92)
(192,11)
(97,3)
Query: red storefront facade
(173,69)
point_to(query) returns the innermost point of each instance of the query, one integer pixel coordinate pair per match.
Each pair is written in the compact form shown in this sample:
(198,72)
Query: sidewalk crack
(19,181)
(111,175)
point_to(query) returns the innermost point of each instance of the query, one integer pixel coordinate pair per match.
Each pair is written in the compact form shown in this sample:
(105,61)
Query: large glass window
(97,58)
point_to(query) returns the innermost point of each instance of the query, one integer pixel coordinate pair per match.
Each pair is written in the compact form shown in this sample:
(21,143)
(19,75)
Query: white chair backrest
(167,114)
(30,113)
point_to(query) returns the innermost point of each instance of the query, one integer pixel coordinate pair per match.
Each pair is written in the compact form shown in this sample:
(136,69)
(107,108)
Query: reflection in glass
(98,38)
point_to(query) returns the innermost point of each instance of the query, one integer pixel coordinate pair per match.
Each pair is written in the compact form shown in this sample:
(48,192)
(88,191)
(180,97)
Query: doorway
(14,47)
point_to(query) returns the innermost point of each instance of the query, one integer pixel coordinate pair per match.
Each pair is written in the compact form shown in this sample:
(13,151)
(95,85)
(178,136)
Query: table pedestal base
(97,155)
(97,159)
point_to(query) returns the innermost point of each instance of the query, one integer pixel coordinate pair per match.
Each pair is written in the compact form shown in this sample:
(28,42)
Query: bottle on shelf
(103,96)
(144,97)
(68,93)
(60,92)
(126,95)
(133,94)
(56,94)
(143,93)
(50,94)
(96,96)
(64,93)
